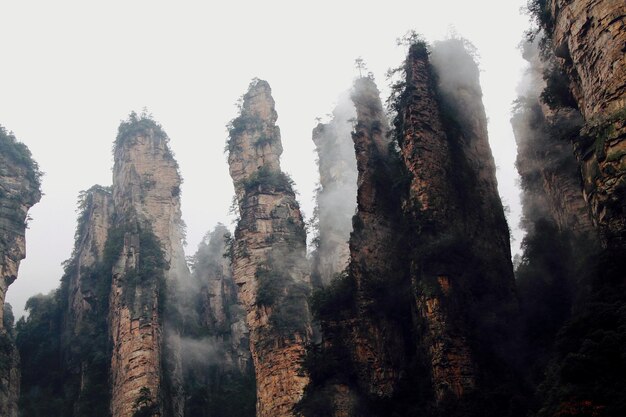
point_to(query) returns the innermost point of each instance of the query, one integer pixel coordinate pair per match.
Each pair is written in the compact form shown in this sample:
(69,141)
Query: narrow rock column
(375,247)
(146,194)
(269,262)
(460,262)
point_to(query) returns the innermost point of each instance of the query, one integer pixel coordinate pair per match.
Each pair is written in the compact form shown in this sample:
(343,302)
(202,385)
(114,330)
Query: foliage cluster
(266,179)
(136,124)
(147,279)
(336,301)
(219,393)
(19,154)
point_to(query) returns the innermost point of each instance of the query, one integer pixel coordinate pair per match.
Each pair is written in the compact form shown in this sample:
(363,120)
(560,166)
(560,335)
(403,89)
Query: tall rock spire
(269,255)
(460,259)
(146,196)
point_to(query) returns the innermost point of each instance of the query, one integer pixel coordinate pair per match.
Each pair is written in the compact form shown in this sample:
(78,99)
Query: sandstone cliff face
(336,197)
(588,39)
(146,196)
(269,262)
(460,262)
(19,190)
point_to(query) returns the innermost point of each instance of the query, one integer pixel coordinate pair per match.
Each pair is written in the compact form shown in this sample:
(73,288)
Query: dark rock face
(269,255)
(375,246)
(19,190)
(460,263)
(430,263)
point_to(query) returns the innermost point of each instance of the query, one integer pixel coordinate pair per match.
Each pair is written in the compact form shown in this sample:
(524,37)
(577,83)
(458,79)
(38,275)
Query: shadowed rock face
(269,261)
(375,246)
(588,39)
(460,261)
(19,191)
(146,196)
(336,197)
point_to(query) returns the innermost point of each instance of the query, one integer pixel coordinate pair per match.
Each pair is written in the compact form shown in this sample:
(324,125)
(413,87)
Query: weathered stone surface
(456,217)
(269,262)
(588,37)
(146,195)
(336,197)
(19,190)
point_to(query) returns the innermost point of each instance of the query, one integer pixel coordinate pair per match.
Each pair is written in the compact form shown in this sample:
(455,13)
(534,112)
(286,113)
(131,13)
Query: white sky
(71,70)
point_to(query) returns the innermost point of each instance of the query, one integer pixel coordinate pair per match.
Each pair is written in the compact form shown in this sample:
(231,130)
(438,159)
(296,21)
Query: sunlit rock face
(269,255)
(19,191)
(588,41)
(336,196)
(146,197)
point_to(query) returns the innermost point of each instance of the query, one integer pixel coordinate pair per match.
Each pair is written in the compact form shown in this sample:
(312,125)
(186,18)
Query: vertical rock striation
(460,258)
(336,197)
(146,196)
(19,191)
(269,255)
(588,41)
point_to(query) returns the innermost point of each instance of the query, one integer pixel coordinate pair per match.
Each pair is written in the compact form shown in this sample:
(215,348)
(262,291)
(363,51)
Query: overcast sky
(71,70)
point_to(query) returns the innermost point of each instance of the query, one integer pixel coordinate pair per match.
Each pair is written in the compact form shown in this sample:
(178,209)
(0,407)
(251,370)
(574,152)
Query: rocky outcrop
(269,255)
(460,262)
(550,176)
(146,197)
(19,190)
(588,39)
(336,196)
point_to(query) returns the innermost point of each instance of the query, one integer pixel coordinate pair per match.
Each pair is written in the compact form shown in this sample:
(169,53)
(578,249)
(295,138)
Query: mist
(336,195)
